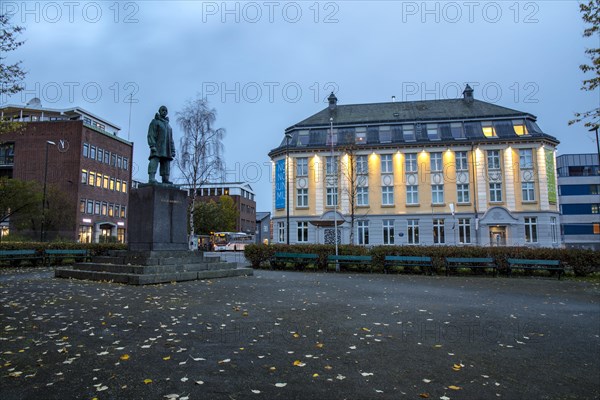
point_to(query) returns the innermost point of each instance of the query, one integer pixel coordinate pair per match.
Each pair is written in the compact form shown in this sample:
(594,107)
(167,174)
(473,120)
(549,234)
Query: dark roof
(313,132)
(410,111)
(260,215)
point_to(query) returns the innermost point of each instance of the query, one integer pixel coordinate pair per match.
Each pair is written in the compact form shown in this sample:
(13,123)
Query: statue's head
(163,111)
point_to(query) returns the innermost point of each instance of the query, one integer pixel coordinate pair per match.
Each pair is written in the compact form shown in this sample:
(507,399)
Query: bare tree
(200,149)
(355,176)
(11,75)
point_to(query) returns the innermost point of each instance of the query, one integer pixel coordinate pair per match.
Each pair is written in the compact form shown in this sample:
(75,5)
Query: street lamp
(333,165)
(42,236)
(288,136)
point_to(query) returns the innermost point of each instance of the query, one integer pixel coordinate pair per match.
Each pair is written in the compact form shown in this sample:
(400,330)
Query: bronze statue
(162,147)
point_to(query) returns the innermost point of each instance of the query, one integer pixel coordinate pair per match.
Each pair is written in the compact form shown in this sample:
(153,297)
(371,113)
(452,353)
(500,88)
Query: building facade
(243,197)
(262,234)
(87,162)
(579,194)
(447,172)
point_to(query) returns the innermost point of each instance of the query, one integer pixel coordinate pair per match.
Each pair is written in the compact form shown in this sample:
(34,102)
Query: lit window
(361,135)
(519,127)
(91,178)
(124,187)
(105,182)
(488,129)
(118,186)
(112,183)
(99,180)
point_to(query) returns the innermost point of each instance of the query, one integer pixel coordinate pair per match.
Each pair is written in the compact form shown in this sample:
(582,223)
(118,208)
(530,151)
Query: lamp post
(288,136)
(335,203)
(42,233)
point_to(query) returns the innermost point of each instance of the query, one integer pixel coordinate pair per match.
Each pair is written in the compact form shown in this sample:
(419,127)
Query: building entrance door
(497,235)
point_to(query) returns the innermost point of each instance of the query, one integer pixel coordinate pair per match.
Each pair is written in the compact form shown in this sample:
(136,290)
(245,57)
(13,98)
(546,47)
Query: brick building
(87,162)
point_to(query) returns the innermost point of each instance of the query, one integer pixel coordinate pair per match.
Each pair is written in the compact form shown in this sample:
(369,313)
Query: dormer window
(408,132)
(519,127)
(488,129)
(432,132)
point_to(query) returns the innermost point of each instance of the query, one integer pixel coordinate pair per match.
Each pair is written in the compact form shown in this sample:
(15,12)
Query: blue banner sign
(280,184)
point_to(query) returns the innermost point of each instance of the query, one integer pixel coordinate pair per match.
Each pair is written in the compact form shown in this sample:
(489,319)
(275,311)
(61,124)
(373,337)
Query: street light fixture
(335,203)
(42,233)
(288,136)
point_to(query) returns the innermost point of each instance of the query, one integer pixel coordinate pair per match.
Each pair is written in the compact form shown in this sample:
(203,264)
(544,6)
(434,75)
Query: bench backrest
(16,252)
(517,261)
(349,258)
(296,255)
(470,260)
(407,258)
(63,252)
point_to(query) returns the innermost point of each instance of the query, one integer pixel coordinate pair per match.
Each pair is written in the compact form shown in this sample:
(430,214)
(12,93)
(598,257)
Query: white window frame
(528,191)
(439,228)
(495,192)
(464,230)
(554,229)
(412,194)
(302,197)
(411,163)
(525,158)
(531,234)
(332,196)
(461,160)
(387,165)
(436,162)
(362,196)
(302,166)
(388,231)
(331,164)
(362,165)
(387,195)
(463,193)
(493,159)
(412,231)
(437,194)
(302,232)
(362,232)
(281,232)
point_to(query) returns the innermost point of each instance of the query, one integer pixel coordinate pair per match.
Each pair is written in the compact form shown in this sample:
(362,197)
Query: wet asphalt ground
(293,335)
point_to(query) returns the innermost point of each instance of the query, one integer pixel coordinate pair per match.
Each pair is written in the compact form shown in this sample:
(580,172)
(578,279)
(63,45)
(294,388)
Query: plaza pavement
(293,335)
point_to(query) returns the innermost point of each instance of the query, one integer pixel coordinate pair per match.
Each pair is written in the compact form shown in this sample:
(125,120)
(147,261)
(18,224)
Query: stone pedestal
(157,218)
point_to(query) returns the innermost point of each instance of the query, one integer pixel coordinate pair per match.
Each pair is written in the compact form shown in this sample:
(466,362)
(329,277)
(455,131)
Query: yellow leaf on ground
(454,387)
(167,358)
(328,367)
(366,329)
(319,345)
(296,335)
(124,357)
(147,381)
(424,395)
(272,369)
(315,375)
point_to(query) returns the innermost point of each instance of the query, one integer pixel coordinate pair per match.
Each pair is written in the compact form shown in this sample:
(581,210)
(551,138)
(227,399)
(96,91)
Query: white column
(319,182)
(481,181)
(542,179)
(509,181)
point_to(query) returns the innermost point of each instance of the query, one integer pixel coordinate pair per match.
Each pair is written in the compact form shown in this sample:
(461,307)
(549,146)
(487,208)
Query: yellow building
(459,171)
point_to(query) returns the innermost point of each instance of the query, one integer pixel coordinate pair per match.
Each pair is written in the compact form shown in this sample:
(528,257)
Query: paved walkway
(299,336)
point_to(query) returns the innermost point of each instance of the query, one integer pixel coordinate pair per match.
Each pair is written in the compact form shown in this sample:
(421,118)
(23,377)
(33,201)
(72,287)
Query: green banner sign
(551,176)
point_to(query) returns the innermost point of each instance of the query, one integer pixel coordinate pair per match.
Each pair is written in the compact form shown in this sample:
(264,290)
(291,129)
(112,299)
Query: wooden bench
(15,257)
(57,256)
(472,263)
(351,260)
(295,258)
(548,265)
(409,261)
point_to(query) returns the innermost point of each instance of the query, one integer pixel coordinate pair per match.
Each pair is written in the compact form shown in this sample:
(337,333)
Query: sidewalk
(299,336)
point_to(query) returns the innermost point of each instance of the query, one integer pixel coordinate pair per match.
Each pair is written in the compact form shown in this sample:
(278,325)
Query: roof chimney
(332,102)
(393,99)
(468,94)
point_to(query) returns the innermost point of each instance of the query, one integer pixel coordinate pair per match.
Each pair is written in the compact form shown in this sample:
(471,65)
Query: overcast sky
(266,65)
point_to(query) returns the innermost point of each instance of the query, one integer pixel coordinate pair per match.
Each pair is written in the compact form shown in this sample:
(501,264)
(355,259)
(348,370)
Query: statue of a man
(162,147)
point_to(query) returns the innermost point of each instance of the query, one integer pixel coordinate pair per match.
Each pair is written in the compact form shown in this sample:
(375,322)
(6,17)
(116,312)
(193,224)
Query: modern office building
(579,195)
(243,197)
(454,172)
(87,162)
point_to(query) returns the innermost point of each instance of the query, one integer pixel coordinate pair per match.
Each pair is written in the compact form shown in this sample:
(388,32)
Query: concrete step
(151,269)
(132,260)
(146,279)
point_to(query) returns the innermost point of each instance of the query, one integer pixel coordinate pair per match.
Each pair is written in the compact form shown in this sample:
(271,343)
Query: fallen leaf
(255,391)
(199,382)
(454,387)
(147,381)
(167,358)
(184,379)
(366,373)
(299,363)
(315,375)
(424,395)
(124,357)
(280,385)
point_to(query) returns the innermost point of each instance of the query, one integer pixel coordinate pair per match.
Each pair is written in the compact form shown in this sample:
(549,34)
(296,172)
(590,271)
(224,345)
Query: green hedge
(95,249)
(581,262)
